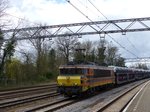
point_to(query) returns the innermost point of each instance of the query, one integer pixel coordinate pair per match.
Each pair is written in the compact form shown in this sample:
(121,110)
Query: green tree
(101,55)
(3,7)
(8,52)
(85,52)
(89,50)
(1,39)
(101,52)
(113,57)
(120,61)
(111,54)
(53,68)
(79,53)
(28,67)
(42,47)
(14,71)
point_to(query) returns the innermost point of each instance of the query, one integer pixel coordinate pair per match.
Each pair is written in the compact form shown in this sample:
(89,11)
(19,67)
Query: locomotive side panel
(102,77)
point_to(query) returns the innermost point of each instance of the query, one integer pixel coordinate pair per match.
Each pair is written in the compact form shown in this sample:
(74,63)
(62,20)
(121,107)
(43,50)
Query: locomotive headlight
(61,84)
(75,84)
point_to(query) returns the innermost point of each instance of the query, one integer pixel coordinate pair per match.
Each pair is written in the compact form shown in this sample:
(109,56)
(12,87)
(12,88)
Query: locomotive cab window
(72,71)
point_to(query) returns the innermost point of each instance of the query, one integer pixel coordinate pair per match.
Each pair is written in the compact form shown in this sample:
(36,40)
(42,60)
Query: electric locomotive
(75,79)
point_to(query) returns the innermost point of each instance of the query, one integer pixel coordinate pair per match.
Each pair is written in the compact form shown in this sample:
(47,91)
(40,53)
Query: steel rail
(15,91)
(48,104)
(27,87)
(19,101)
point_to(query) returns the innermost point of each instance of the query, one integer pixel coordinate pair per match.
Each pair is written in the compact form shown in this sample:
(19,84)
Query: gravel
(91,104)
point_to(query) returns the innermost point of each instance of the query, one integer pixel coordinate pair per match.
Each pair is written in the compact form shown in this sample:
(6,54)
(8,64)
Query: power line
(132,44)
(79,10)
(98,10)
(83,14)
(122,46)
(108,20)
(100,28)
(87,8)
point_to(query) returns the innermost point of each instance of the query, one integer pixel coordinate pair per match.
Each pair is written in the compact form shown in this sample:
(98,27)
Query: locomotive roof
(85,66)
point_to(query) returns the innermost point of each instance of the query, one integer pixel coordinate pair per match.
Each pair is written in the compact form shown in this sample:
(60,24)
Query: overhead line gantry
(85,28)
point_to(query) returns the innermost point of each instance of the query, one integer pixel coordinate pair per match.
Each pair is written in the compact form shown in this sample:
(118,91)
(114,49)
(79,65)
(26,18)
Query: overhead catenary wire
(99,27)
(98,10)
(132,44)
(108,20)
(122,46)
(87,8)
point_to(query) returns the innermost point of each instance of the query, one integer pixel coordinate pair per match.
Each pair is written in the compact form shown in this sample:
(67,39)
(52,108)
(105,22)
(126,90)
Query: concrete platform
(141,101)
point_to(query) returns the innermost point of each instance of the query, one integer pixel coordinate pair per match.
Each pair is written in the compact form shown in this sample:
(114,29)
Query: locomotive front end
(70,80)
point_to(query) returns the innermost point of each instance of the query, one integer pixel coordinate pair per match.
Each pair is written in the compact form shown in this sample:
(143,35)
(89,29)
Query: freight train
(76,79)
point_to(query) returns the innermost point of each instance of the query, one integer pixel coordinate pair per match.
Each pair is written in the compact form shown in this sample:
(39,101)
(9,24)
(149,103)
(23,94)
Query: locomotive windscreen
(71,71)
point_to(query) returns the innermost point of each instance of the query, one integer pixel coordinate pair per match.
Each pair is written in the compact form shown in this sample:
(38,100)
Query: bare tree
(88,45)
(113,57)
(65,46)
(3,7)
(42,47)
(111,54)
(1,39)
(140,66)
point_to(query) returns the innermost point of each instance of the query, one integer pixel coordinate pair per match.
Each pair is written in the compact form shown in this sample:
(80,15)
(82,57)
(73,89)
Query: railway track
(19,96)
(52,106)
(56,105)
(23,89)
(58,102)
(27,87)
(14,93)
(100,101)
(130,93)
(18,101)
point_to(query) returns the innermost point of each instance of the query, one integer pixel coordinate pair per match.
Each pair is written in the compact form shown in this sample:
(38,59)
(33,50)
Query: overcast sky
(60,11)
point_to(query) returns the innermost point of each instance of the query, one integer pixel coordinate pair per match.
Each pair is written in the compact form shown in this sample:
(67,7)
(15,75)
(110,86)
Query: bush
(49,75)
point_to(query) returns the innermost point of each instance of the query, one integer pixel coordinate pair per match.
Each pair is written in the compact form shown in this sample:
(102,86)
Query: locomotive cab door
(90,77)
